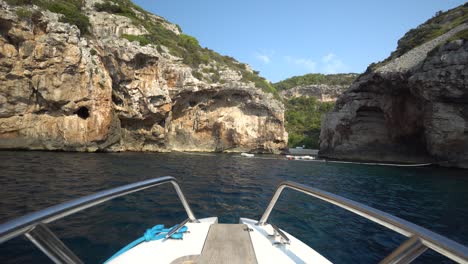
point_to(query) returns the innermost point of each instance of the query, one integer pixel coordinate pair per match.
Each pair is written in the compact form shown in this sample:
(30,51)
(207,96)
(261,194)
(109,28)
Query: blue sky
(294,37)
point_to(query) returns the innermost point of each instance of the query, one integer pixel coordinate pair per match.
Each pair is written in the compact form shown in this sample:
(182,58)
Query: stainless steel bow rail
(419,238)
(33,225)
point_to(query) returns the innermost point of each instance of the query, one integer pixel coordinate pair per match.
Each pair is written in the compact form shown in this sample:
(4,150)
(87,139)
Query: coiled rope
(155,233)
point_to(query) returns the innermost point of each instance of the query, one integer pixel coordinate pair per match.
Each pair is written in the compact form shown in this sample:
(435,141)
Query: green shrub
(259,82)
(299,140)
(71,14)
(159,35)
(215,77)
(143,40)
(24,14)
(123,8)
(20,2)
(108,7)
(188,42)
(160,49)
(197,75)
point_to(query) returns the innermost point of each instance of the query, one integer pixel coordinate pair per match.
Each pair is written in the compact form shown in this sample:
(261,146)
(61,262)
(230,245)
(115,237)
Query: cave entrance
(82,112)
(192,103)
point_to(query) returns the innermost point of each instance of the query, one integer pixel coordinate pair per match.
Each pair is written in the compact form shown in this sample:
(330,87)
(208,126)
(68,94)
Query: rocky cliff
(323,92)
(132,82)
(413,107)
(326,88)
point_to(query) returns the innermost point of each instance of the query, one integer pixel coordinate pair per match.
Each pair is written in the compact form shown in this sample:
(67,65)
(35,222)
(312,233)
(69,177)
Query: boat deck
(228,243)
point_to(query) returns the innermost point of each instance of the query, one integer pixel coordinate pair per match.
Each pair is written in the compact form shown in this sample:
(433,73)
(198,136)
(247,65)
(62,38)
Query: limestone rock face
(323,92)
(53,93)
(412,109)
(60,90)
(233,118)
(109,25)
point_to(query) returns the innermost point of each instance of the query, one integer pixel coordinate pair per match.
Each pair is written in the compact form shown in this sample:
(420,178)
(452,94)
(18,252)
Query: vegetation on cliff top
(438,25)
(180,45)
(441,23)
(70,9)
(316,78)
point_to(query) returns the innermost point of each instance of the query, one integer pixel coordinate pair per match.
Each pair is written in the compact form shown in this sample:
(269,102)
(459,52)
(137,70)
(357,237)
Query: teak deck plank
(228,244)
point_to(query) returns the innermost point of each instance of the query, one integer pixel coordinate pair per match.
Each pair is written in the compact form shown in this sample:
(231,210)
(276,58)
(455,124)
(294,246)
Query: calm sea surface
(229,187)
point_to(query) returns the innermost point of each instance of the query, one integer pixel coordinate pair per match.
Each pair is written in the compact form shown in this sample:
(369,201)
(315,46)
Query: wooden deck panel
(228,244)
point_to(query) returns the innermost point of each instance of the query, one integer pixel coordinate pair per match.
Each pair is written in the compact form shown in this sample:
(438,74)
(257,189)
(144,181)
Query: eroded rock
(60,90)
(323,92)
(401,113)
(232,119)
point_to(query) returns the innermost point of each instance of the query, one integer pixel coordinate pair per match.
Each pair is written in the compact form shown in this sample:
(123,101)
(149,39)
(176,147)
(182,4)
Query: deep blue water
(229,187)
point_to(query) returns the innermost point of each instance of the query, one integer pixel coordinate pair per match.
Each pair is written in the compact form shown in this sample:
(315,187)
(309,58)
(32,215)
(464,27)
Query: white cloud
(264,55)
(263,58)
(332,64)
(309,64)
(327,58)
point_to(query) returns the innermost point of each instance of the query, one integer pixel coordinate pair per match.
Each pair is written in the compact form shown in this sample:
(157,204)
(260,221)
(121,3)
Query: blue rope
(155,233)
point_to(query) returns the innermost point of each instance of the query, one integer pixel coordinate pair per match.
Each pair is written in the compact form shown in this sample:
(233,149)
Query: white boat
(290,157)
(247,155)
(306,157)
(207,241)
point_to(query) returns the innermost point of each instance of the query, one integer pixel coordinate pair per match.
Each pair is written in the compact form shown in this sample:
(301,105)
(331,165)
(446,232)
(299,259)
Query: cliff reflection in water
(229,187)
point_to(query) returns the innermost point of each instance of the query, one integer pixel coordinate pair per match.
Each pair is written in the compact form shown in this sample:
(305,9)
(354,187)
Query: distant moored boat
(247,155)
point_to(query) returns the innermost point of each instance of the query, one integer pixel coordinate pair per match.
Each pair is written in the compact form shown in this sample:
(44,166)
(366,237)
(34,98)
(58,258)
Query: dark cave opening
(82,112)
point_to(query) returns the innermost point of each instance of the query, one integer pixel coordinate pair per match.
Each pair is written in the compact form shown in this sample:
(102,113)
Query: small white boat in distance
(306,157)
(290,157)
(207,241)
(247,155)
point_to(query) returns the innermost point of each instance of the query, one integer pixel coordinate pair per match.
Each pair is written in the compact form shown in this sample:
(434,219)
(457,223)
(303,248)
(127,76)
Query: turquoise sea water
(229,187)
